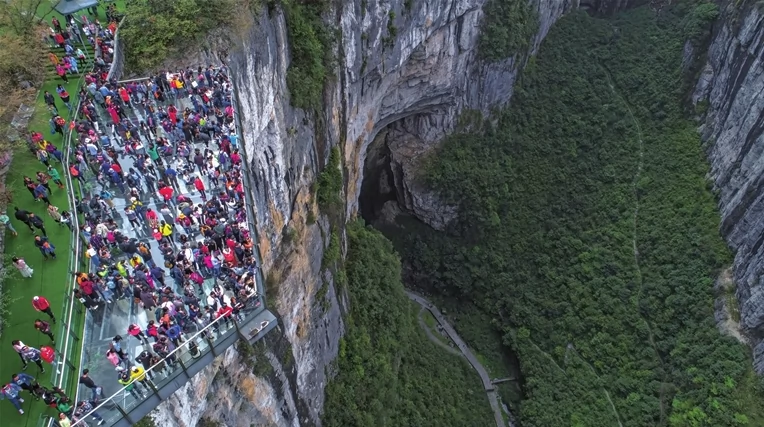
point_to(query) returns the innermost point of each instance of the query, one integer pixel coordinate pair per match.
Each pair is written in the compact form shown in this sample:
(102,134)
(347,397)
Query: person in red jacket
(136,331)
(87,288)
(124,95)
(225,312)
(112,110)
(167,192)
(42,304)
(199,184)
(172,113)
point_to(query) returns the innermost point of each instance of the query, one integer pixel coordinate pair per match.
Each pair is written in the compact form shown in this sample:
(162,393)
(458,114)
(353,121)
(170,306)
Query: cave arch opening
(378,186)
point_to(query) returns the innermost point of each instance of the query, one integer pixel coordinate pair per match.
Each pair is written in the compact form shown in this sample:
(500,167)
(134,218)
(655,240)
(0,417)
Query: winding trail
(607,393)
(451,332)
(634,240)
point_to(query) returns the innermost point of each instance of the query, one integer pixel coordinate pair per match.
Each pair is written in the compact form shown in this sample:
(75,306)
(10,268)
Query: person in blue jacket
(25,381)
(11,392)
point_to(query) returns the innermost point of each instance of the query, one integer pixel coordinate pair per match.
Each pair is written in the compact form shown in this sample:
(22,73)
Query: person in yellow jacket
(130,386)
(121,269)
(138,374)
(166,230)
(134,262)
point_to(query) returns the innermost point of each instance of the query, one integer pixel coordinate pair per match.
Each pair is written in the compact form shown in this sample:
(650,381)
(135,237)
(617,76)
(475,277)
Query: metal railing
(118,58)
(111,406)
(71,331)
(194,347)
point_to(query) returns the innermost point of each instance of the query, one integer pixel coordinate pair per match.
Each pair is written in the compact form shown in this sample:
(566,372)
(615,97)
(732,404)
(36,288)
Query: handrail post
(210,343)
(152,386)
(124,414)
(183,366)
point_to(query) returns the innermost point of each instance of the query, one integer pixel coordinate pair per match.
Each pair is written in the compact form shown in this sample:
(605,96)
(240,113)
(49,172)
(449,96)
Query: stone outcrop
(731,91)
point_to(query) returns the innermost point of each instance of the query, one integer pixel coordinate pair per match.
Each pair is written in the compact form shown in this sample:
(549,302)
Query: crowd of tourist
(162,218)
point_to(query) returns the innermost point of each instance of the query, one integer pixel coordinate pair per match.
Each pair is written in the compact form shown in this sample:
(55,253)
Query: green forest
(389,373)
(588,232)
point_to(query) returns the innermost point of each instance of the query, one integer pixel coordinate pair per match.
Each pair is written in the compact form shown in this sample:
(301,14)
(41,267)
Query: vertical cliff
(415,82)
(730,96)
(418,84)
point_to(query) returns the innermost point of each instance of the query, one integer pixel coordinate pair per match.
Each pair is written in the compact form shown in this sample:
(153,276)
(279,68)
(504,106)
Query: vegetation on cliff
(309,42)
(156,30)
(389,373)
(588,233)
(508,27)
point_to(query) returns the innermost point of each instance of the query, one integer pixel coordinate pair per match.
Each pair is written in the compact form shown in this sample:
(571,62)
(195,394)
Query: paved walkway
(487,384)
(432,337)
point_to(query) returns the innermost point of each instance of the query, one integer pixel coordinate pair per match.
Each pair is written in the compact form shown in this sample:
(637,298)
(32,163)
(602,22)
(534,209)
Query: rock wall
(731,91)
(422,78)
(426,77)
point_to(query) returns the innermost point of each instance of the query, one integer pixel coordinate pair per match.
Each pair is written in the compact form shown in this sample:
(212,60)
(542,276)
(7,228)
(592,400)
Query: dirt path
(635,240)
(607,393)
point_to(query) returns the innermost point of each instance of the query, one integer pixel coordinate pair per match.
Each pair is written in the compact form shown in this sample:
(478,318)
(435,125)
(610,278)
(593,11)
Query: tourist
(85,408)
(41,304)
(21,265)
(38,223)
(25,381)
(88,382)
(46,248)
(32,354)
(44,327)
(23,216)
(129,385)
(5,220)
(11,392)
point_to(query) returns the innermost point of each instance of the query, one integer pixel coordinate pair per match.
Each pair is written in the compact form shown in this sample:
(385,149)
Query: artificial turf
(51,278)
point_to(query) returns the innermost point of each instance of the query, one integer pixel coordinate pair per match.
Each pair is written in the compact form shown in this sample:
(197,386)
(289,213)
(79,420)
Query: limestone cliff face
(416,83)
(731,90)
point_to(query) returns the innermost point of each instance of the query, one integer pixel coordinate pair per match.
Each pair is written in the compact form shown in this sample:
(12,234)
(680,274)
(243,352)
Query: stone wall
(730,94)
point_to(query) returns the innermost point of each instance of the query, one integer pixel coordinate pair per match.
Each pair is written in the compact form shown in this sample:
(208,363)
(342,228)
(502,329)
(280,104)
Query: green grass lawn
(51,278)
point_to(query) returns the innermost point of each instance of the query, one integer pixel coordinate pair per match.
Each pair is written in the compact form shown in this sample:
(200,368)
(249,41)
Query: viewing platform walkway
(118,405)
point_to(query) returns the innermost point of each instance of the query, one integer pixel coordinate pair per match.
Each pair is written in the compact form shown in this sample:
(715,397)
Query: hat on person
(36,298)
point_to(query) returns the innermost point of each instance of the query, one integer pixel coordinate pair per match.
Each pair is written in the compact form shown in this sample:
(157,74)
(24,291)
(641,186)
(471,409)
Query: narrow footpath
(487,384)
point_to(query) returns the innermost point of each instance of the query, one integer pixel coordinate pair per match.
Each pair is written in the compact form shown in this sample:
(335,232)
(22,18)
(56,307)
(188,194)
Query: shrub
(507,28)
(155,30)
(329,183)
(309,41)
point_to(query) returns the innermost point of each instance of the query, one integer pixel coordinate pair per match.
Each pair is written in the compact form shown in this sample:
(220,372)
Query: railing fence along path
(193,354)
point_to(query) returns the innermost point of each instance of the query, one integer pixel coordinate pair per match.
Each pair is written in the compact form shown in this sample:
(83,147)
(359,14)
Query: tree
(21,16)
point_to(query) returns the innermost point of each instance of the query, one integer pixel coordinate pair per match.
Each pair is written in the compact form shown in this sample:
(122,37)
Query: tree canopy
(588,232)
(388,371)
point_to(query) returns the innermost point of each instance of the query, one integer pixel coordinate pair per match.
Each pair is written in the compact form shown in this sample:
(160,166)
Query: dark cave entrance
(382,204)
(378,186)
